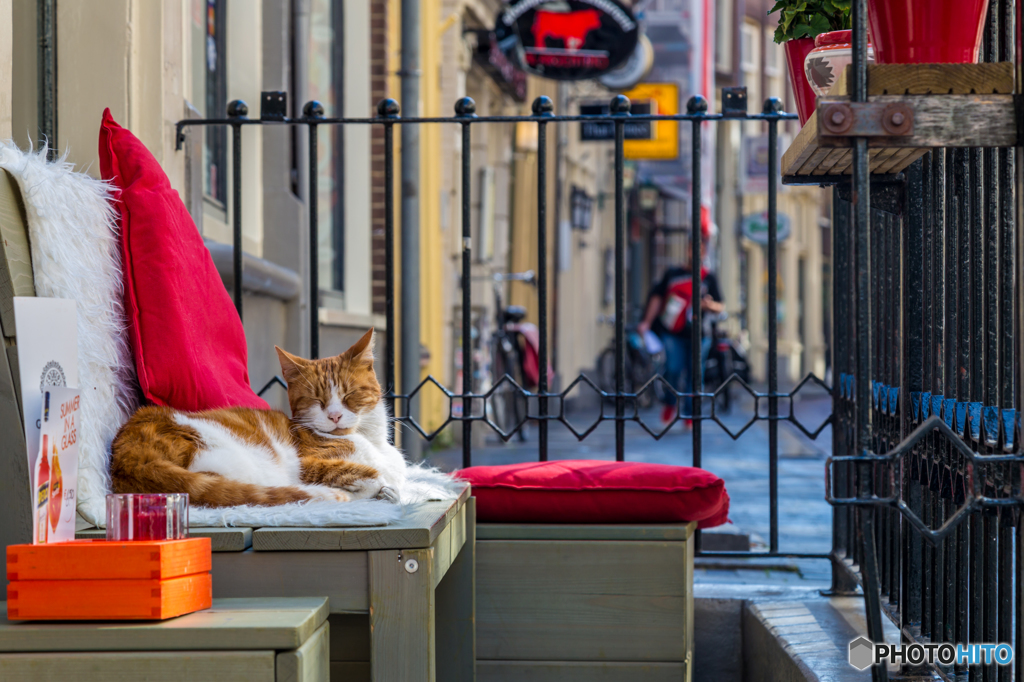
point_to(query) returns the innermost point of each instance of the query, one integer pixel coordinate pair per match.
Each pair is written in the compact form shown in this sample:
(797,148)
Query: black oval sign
(567,39)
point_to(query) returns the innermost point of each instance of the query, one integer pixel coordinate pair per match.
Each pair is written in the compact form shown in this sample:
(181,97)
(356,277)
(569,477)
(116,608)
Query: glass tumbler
(147,517)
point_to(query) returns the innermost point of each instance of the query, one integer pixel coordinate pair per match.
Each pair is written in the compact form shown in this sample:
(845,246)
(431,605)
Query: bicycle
(507,407)
(641,366)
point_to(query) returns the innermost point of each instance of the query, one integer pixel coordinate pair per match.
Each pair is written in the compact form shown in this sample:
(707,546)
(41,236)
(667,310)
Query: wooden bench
(390,619)
(572,603)
(400,596)
(237,640)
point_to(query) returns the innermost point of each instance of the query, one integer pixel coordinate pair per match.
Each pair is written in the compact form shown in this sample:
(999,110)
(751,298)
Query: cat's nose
(335,415)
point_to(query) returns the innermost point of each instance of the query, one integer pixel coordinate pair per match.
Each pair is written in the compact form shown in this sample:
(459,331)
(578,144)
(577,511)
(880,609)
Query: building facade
(155,62)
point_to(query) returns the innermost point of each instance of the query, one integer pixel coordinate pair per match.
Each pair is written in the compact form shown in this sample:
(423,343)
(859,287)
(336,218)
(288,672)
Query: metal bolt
(898,118)
(411,566)
(838,118)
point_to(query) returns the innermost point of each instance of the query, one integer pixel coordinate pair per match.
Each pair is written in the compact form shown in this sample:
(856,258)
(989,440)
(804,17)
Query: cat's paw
(365,488)
(389,494)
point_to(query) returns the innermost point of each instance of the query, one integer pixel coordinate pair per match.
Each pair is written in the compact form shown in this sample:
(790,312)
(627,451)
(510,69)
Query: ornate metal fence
(547,406)
(926,474)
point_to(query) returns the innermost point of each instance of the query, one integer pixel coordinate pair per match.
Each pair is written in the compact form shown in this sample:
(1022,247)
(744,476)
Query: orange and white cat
(334,447)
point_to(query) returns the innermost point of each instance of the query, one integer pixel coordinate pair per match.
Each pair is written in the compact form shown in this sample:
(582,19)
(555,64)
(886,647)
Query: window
(772,54)
(582,208)
(326,84)
(750,48)
(750,64)
(723,36)
(209,91)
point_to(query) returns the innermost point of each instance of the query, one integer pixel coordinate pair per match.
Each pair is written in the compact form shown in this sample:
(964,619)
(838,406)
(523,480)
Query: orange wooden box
(99,580)
(108,599)
(102,560)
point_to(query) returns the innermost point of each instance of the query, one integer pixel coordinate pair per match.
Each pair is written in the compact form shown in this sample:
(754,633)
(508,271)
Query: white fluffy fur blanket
(73,233)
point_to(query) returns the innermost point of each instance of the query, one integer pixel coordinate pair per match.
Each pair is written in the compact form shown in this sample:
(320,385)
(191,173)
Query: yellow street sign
(664,145)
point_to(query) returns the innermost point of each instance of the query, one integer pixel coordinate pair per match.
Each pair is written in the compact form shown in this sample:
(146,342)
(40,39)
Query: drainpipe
(410,327)
(46,30)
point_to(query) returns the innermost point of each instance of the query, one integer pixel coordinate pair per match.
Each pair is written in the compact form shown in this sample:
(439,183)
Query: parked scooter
(725,358)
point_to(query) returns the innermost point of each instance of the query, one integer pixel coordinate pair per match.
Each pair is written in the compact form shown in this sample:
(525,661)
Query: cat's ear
(362,350)
(291,365)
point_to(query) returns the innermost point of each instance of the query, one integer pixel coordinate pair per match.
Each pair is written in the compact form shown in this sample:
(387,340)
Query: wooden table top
(419,527)
(271,623)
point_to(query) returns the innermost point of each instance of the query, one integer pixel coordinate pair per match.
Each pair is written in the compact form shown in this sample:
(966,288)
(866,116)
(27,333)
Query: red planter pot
(796,54)
(926,31)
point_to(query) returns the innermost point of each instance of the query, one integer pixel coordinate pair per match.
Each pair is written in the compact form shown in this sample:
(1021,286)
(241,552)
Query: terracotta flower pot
(926,31)
(796,55)
(832,53)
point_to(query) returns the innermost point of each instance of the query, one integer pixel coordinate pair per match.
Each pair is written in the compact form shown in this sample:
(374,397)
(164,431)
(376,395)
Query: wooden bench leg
(456,610)
(402,615)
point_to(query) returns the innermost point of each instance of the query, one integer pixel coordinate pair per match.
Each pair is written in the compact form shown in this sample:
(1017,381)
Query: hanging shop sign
(634,69)
(603,131)
(663,145)
(755,227)
(504,71)
(567,39)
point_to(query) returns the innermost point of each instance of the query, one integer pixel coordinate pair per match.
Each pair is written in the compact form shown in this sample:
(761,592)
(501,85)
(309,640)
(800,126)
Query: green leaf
(810,18)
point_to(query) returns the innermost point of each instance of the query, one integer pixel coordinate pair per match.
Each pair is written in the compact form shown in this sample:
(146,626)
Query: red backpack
(677,310)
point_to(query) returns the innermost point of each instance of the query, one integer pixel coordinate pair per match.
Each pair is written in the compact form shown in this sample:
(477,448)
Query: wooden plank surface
(932,79)
(455,601)
(956,105)
(834,158)
(576,671)
(152,666)
(802,147)
(417,529)
(942,121)
(340,576)
(311,662)
(402,616)
(559,531)
(264,623)
(221,539)
(582,601)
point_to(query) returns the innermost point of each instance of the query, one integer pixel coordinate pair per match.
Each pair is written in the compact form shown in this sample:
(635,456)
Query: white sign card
(47,330)
(55,476)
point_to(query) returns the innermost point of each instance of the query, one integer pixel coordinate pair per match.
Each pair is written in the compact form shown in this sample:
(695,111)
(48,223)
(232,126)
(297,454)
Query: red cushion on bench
(589,491)
(188,342)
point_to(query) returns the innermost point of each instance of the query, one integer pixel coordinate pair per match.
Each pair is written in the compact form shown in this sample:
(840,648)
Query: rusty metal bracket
(919,121)
(865,119)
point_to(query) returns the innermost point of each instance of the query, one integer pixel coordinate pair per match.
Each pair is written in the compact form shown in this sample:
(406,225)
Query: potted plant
(800,22)
(927,31)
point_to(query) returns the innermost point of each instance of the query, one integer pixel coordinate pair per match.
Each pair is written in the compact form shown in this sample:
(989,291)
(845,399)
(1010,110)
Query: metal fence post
(542,108)
(237,110)
(465,111)
(389,110)
(312,111)
(620,110)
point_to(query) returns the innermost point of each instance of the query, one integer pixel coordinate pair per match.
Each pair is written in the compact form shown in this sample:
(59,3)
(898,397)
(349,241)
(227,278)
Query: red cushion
(188,342)
(588,491)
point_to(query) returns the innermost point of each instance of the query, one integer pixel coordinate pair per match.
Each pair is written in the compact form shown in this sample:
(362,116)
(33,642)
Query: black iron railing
(927,468)
(547,406)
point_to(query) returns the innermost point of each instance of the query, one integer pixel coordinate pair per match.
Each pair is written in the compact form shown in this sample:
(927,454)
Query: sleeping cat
(334,447)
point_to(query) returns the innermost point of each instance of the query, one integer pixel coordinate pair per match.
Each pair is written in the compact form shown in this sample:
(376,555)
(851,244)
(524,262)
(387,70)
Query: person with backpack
(669,314)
